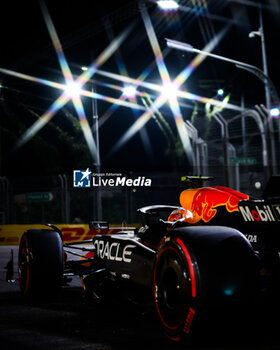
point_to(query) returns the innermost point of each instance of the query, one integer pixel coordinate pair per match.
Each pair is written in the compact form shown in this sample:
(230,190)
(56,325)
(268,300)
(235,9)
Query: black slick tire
(40,262)
(175,288)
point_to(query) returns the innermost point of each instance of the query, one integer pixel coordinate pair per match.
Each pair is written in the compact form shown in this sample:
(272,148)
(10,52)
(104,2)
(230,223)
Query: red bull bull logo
(202,203)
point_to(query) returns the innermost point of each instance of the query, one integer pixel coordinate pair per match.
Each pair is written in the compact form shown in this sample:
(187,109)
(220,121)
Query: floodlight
(168,4)
(129,91)
(170,90)
(73,89)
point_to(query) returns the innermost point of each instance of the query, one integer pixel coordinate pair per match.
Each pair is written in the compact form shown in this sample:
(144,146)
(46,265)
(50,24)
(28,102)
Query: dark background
(81,26)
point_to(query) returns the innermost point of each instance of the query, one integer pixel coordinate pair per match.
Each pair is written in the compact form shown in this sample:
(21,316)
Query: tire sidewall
(42,251)
(176,316)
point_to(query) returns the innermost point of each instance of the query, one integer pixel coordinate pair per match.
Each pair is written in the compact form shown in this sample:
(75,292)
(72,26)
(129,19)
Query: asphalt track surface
(68,321)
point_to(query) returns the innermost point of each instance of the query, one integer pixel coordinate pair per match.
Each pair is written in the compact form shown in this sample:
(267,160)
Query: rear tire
(201,276)
(40,262)
(175,285)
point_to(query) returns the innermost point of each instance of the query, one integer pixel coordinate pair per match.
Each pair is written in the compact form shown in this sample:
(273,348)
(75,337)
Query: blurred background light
(129,91)
(275,112)
(220,92)
(168,4)
(258,185)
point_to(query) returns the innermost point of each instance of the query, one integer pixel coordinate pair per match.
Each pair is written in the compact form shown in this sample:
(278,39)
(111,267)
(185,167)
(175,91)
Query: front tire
(40,262)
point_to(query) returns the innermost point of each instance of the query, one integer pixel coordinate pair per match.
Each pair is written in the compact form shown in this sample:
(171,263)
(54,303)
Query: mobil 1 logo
(261,213)
(276,210)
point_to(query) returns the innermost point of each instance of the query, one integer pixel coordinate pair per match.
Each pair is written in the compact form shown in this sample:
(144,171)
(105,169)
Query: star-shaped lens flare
(167,83)
(73,88)
(70,83)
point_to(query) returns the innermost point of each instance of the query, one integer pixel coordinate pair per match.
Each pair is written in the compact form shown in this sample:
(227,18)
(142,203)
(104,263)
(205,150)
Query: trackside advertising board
(11,234)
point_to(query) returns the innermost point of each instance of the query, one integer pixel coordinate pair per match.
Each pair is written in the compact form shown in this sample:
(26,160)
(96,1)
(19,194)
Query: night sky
(85,29)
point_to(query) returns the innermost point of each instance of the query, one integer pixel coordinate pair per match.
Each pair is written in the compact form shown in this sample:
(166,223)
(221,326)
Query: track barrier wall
(11,234)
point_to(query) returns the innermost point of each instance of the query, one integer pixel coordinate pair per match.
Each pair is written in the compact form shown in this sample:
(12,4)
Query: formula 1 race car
(219,247)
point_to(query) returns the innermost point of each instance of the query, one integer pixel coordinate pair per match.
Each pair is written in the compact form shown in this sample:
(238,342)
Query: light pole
(97,164)
(271,92)
(268,96)
(225,137)
(253,69)
(260,33)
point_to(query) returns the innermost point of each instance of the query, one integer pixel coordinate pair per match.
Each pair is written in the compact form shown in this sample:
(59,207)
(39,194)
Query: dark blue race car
(218,248)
